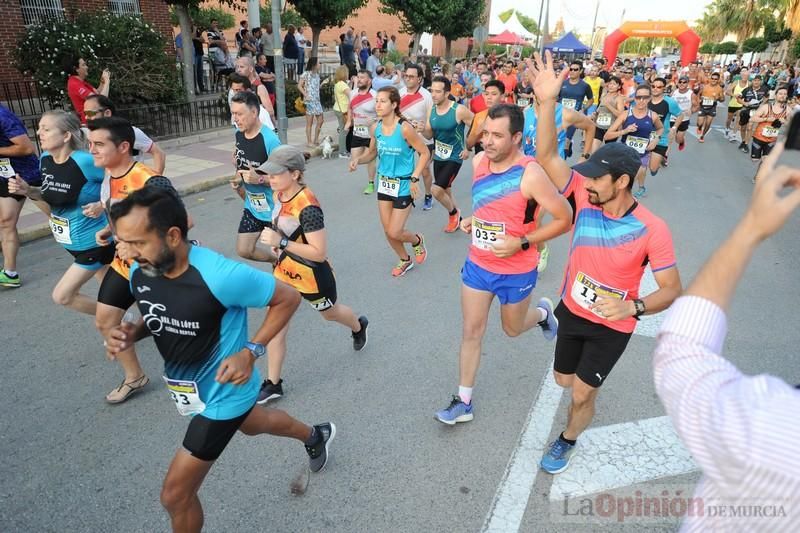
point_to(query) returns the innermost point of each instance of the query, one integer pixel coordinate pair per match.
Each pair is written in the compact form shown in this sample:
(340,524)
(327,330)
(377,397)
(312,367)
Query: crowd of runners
(125,225)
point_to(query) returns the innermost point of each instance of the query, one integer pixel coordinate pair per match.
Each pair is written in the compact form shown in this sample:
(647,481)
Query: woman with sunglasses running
(394,141)
(611,106)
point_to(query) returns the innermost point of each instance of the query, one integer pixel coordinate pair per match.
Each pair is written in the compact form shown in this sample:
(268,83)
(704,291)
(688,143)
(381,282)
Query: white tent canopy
(513,24)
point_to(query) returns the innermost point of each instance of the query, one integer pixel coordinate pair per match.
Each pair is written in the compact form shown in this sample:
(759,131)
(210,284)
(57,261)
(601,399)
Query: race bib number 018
(484,234)
(586,291)
(637,143)
(186,396)
(361,131)
(259,201)
(60,228)
(389,186)
(6,170)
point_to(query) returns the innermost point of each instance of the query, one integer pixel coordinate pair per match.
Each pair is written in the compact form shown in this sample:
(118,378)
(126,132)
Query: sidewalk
(195,163)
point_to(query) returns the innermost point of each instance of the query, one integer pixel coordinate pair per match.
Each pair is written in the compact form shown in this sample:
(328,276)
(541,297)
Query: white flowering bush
(133,50)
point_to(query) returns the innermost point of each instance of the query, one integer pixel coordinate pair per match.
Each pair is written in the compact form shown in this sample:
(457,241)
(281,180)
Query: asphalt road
(71,462)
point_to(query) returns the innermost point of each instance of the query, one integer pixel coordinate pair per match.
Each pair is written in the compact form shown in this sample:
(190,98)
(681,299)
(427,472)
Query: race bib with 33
(586,291)
(186,396)
(604,120)
(569,103)
(443,150)
(361,131)
(6,170)
(388,186)
(60,228)
(258,200)
(484,234)
(637,143)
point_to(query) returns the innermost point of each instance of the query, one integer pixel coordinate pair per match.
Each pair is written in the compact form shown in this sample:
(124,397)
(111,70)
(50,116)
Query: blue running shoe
(427,204)
(550,324)
(457,411)
(556,460)
(641,192)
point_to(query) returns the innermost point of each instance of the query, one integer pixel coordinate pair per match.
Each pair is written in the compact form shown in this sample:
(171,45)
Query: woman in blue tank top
(394,142)
(640,129)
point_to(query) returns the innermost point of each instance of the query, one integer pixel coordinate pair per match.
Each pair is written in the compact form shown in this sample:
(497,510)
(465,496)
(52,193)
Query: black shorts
(250,224)
(744,117)
(401,202)
(326,296)
(206,438)
(115,290)
(430,148)
(4,191)
(732,110)
(94,258)
(599,133)
(586,349)
(760,148)
(444,172)
(359,142)
(660,150)
(684,125)
(707,112)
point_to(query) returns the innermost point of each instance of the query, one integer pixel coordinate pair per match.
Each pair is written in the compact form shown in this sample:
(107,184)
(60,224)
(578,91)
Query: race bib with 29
(586,291)
(443,150)
(484,234)
(186,396)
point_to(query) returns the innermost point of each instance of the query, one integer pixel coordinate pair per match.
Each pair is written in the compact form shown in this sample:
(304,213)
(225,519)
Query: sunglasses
(643,97)
(90,113)
(658,86)
(575,69)
(683,81)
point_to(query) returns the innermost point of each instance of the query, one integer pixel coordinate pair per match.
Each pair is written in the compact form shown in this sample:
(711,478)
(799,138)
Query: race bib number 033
(186,396)
(484,234)
(586,291)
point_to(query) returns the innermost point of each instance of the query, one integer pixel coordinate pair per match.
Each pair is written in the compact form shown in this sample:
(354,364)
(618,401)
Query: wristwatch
(256,349)
(586,155)
(640,308)
(414,179)
(524,242)
(284,243)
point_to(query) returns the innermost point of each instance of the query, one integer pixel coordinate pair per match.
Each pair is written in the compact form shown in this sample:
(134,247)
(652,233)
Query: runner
(17,159)
(241,84)
(667,109)
(111,145)
(734,91)
(361,118)
(753,97)
(394,142)
(596,83)
(194,302)
(254,143)
(613,239)
(574,93)
(447,126)
(611,106)
(97,105)
(492,94)
(71,187)
(689,103)
(767,122)
(710,95)
(303,257)
(415,104)
(646,126)
(502,261)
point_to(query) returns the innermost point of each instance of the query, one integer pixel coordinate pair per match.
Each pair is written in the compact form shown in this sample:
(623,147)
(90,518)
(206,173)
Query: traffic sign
(480,33)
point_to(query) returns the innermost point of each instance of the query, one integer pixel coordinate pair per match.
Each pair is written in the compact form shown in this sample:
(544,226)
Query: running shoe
(557,458)
(370,188)
(699,130)
(681,146)
(318,452)
(544,255)
(640,193)
(420,252)
(743,148)
(457,411)
(452,222)
(360,337)
(701,139)
(344,156)
(665,161)
(402,267)
(427,203)
(8,281)
(550,324)
(269,391)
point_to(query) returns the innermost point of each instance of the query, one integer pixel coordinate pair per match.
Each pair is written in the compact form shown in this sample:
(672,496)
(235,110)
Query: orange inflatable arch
(689,40)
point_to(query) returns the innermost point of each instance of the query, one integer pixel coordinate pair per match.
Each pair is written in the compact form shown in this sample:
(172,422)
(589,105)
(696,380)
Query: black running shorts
(401,202)
(599,133)
(250,224)
(586,349)
(708,112)
(115,290)
(744,117)
(359,142)
(661,150)
(206,438)
(760,148)
(94,258)
(444,172)
(326,285)
(4,191)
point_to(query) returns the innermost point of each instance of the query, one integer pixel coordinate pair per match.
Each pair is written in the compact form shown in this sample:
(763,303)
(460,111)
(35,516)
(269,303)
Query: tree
(754,44)
(202,17)
(288,16)
(416,16)
(708,48)
(321,14)
(457,19)
(727,48)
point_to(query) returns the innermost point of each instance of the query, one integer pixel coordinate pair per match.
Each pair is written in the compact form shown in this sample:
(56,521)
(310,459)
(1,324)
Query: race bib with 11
(186,396)
(586,291)
(60,228)
(258,200)
(484,234)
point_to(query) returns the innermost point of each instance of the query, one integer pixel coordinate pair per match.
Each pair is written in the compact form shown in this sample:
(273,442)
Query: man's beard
(594,198)
(161,265)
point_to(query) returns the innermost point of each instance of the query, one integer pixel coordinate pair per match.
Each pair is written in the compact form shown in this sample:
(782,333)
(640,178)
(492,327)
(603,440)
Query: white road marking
(620,455)
(511,498)
(648,325)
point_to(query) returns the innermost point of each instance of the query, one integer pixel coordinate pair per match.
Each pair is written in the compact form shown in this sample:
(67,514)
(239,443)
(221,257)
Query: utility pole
(546,26)
(280,82)
(253,16)
(540,37)
(594,23)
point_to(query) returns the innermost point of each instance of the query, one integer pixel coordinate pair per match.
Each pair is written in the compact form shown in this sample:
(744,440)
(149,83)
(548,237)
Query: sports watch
(256,349)
(414,179)
(640,308)
(524,242)
(284,243)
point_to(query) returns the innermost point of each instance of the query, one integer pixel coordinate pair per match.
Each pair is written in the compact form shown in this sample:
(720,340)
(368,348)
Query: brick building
(16,14)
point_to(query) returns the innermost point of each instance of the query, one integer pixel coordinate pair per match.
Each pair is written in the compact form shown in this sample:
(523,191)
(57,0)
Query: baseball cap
(283,158)
(614,158)
(683,78)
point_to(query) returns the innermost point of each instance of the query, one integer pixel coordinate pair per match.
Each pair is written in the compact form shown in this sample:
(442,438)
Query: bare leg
(276,353)
(309,123)
(9,216)
(66,292)
(179,492)
(519,317)
(320,120)
(393,227)
(343,315)
(581,410)
(106,318)
(444,197)
(246,247)
(427,179)
(475,306)
(263,420)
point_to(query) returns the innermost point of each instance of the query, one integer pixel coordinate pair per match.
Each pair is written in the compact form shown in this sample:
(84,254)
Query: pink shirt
(78,90)
(741,430)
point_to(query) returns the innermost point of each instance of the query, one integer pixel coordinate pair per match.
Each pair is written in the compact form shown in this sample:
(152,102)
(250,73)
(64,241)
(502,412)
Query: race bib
(388,186)
(770,132)
(569,103)
(637,143)
(361,131)
(6,170)
(523,102)
(443,150)
(186,396)
(586,291)
(259,201)
(60,228)
(484,234)
(708,102)
(604,120)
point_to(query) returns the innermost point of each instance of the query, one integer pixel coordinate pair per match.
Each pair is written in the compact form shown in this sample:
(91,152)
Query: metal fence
(22,98)
(35,11)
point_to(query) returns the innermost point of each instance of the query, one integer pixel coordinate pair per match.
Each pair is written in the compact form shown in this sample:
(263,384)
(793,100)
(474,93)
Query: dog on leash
(327,147)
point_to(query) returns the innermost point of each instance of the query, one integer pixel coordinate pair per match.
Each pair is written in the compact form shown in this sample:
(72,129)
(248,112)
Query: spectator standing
(291,51)
(245,66)
(341,106)
(380,79)
(309,88)
(364,53)
(301,49)
(217,47)
(268,46)
(374,61)
(247,45)
(199,74)
(267,76)
(391,46)
(240,33)
(348,52)
(78,89)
